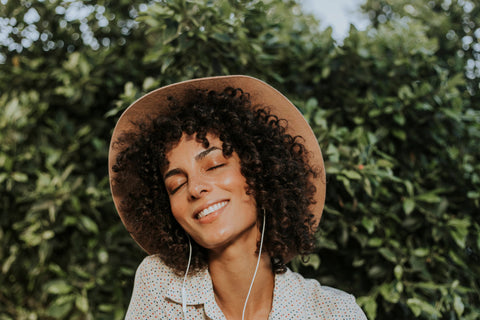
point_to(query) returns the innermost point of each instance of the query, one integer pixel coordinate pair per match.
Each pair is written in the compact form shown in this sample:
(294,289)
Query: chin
(216,242)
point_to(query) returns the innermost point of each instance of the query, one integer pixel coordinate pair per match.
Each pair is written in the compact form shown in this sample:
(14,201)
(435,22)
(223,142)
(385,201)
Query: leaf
(351,174)
(89,224)
(84,67)
(72,62)
(400,134)
(169,35)
(460,237)
(149,83)
(221,37)
(320,120)
(376,272)
(102,256)
(48,234)
(399,119)
(346,184)
(385,163)
(459,231)
(19,177)
(458,305)
(389,293)
(409,187)
(408,205)
(7,263)
(375,242)
(418,306)
(369,305)
(325,72)
(3,177)
(457,259)
(81,303)
(415,307)
(398,272)
(328,244)
(166,63)
(430,197)
(388,254)
(367,186)
(60,307)
(421,252)
(405,92)
(368,224)
(58,287)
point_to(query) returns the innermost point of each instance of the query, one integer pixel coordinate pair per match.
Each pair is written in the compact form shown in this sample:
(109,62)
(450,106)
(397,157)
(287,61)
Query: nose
(198,187)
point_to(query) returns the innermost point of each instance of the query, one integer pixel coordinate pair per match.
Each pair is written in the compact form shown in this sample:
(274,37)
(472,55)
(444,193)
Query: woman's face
(208,194)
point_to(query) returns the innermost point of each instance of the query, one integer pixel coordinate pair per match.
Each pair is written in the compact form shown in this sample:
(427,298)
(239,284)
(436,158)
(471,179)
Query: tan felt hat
(156,102)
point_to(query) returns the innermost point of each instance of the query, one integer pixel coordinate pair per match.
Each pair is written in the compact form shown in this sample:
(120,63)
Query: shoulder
(152,281)
(338,304)
(154,262)
(153,273)
(313,288)
(317,300)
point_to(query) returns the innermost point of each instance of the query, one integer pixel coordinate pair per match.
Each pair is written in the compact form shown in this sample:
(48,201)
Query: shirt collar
(199,289)
(287,295)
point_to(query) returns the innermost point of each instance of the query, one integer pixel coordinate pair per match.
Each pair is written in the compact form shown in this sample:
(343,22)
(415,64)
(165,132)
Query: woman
(221,181)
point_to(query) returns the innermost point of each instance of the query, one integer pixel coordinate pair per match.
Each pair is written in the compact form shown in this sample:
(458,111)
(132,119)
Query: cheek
(235,180)
(176,209)
(237,184)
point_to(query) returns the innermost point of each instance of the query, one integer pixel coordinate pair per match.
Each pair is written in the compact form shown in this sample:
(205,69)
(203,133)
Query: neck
(231,277)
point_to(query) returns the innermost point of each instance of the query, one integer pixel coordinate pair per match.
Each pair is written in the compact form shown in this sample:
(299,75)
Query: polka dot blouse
(157,294)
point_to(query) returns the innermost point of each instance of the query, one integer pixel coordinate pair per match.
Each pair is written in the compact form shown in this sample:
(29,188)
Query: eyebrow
(204,153)
(198,157)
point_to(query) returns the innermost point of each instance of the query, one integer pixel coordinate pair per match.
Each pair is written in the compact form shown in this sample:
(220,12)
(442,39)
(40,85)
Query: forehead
(189,146)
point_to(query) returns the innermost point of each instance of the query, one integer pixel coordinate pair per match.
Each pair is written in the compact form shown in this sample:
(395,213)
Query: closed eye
(176,188)
(216,167)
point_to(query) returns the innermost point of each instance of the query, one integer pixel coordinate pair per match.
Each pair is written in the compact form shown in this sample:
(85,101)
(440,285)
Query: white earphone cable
(256,268)
(184,293)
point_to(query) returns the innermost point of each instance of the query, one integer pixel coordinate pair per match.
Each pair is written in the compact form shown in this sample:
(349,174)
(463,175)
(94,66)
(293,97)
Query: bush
(396,116)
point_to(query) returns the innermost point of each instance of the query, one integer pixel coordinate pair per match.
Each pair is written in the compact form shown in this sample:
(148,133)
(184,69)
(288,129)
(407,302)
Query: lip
(211,216)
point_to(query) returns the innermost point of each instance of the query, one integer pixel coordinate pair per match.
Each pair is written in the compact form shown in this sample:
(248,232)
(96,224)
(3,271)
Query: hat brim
(156,103)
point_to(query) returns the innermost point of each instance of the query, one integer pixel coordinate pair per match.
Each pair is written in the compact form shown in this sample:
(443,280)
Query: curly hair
(273,163)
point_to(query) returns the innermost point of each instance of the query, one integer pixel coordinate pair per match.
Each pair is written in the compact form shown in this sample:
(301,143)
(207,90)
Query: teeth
(212,208)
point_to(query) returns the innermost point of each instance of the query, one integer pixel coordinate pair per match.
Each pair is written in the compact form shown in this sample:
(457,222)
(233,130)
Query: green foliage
(395,109)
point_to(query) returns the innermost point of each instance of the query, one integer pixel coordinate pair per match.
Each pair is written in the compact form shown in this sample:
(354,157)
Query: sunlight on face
(208,194)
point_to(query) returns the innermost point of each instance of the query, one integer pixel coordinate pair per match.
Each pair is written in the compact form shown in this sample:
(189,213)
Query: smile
(217,206)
